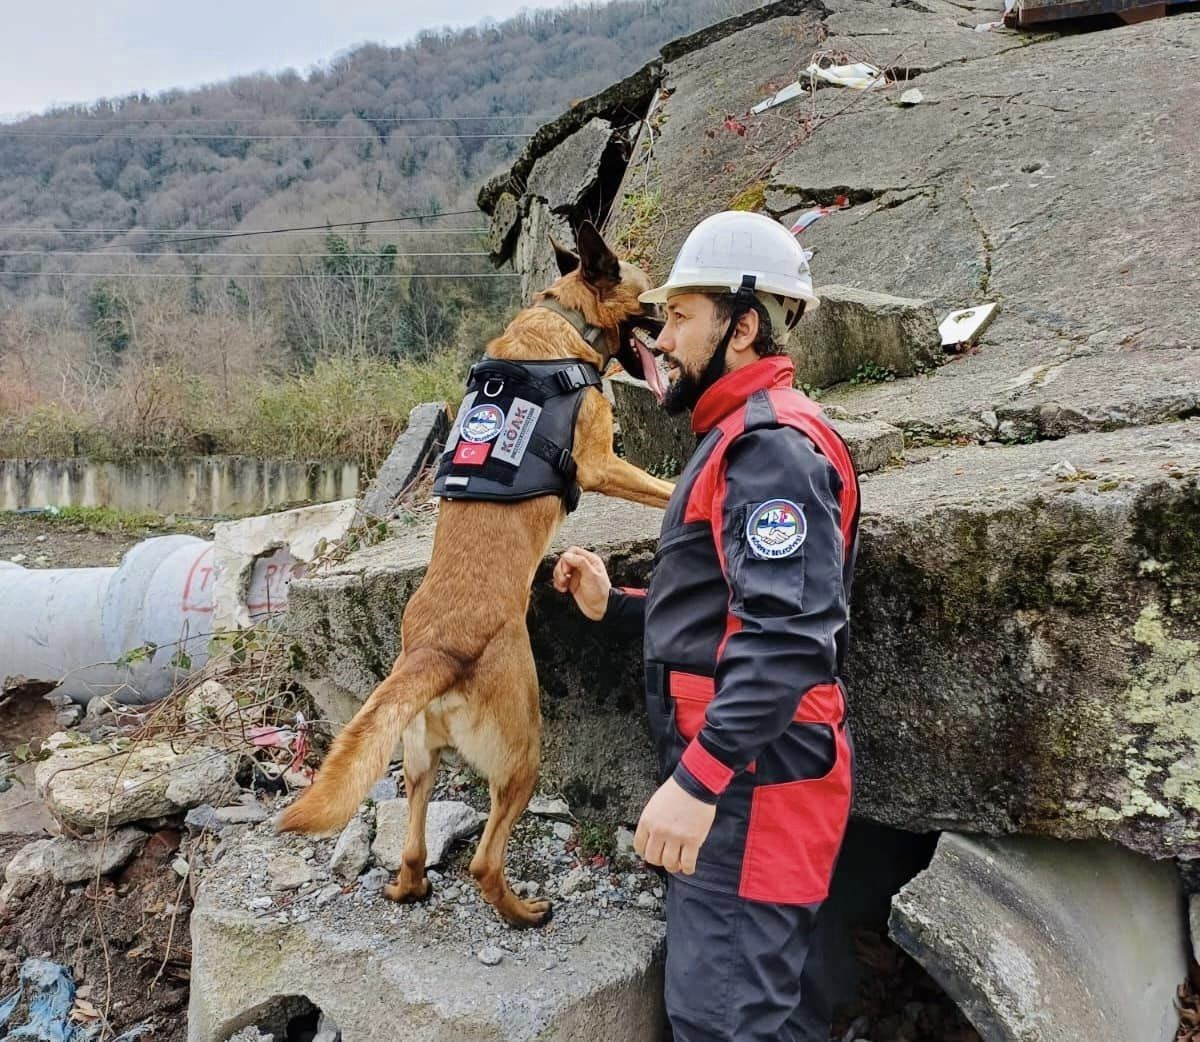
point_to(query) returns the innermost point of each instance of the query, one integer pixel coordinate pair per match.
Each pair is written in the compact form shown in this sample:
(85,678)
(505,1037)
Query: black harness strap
(515,431)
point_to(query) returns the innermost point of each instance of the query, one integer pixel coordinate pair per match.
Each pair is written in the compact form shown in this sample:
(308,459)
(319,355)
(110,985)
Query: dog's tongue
(651,372)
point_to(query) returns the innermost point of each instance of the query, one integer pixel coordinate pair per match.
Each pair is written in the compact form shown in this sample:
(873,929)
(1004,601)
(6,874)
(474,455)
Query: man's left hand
(672,828)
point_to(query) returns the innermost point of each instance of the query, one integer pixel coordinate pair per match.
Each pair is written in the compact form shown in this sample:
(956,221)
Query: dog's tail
(361,752)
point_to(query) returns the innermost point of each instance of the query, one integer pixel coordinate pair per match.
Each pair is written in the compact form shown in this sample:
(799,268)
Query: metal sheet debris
(962,327)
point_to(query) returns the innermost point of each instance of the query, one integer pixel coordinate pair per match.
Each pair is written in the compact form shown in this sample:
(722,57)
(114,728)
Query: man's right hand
(582,574)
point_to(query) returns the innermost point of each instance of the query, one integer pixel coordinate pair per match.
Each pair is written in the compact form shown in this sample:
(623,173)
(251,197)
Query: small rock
(261,903)
(383,790)
(42,539)
(375,880)
(989,419)
(1064,469)
(452,893)
(27,868)
(563,831)
(181,867)
(549,808)
(74,860)
(574,881)
(68,716)
(647,900)
(17,559)
(491,955)
(328,894)
(308,853)
(209,705)
(624,841)
(912,97)
(242,814)
(446,822)
(288,872)
(351,852)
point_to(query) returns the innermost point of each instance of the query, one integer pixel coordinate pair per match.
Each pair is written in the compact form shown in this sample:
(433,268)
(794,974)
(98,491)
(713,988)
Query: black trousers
(743,971)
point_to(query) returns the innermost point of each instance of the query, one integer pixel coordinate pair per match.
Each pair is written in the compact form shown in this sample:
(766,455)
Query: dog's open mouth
(653,364)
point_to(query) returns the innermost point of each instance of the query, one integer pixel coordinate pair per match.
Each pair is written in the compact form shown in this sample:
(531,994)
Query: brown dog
(466,676)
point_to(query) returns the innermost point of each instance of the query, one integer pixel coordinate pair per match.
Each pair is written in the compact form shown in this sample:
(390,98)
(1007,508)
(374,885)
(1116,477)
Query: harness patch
(518,429)
(483,423)
(776,529)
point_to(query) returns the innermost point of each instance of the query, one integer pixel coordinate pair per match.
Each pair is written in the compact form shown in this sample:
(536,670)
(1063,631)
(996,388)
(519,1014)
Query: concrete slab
(428,425)
(856,332)
(390,973)
(1025,631)
(1041,941)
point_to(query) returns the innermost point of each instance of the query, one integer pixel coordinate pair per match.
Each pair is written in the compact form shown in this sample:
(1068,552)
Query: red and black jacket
(746,623)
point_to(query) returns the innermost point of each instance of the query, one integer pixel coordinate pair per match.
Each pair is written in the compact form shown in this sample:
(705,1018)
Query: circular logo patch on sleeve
(483,423)
(776,529)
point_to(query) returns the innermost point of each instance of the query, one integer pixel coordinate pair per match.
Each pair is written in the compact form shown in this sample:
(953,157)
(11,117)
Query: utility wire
(278,231)
(248,137)
(250,275)
(301,228)
(104,121)
(201,256)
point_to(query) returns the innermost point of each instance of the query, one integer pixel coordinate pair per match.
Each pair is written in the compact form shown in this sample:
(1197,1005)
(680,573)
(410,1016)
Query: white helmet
(725,248)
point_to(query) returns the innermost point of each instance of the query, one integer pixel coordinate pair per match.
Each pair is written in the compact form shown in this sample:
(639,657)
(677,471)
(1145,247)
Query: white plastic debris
(912,97)
(987,27)
(792,90)
(962,327)
(857,76)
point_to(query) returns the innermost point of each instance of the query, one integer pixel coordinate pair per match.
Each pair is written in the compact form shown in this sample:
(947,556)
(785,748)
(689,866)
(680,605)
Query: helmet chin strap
(743,301)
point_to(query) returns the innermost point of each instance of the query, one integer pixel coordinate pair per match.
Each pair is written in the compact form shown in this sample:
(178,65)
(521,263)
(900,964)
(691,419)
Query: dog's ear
(599,265)
(566,260)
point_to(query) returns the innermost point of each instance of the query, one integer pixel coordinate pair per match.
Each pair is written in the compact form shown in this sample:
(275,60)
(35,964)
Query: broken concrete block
(89,787)
(662,444)
(857,332)
(393,973)
(565,175)
(506,219)
(872,443)
(28,867)
(428,425)
(1040,939)
(74,860)
(533,256)
(255,559)
(352,851)
(208,704)
(447,822)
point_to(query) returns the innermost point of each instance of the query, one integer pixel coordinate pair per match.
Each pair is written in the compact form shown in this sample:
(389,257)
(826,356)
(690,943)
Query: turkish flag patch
(472,453)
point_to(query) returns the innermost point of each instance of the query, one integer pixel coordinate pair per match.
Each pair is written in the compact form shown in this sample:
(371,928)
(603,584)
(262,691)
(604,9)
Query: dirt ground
(54,543)
(125,940)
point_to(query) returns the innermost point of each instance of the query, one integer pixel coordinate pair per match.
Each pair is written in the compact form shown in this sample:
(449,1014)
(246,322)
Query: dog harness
(515,431)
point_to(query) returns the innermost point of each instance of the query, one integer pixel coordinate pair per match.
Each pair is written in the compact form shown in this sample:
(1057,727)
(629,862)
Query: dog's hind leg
(422,753)
(502,739)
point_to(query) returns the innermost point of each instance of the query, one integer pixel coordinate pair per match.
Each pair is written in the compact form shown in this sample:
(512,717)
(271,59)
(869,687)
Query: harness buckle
(571,379)
(493,381)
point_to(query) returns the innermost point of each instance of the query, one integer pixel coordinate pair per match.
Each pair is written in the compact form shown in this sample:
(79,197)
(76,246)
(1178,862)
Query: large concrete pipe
(80,625)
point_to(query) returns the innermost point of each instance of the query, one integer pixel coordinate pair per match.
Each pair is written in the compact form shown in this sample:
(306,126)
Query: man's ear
(598,264)
(566,260)
(746,331)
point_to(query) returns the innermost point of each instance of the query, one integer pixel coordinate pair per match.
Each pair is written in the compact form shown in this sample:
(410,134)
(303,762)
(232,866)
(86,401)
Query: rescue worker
(745,628)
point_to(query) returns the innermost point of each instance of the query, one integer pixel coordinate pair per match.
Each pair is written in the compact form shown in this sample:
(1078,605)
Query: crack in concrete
(985,277)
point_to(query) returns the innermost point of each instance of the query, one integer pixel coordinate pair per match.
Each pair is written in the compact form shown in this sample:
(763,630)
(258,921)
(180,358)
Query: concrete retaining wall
(204,485)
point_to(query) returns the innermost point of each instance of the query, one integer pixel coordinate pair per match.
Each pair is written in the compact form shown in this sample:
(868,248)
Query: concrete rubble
(1048,941)
(269,914)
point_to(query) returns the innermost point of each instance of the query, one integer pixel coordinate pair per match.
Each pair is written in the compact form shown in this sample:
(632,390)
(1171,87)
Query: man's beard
(685,391)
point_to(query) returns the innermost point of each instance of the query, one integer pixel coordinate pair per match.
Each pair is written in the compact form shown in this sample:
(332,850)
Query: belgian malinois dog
(466,676)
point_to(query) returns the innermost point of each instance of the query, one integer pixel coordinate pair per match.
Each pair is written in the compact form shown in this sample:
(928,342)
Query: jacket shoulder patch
(775,528)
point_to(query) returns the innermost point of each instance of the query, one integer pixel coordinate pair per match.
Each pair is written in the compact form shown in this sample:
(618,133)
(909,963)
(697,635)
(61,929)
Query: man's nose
(665,341)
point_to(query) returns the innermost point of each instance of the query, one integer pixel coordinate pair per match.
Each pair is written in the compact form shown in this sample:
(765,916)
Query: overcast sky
(59,51)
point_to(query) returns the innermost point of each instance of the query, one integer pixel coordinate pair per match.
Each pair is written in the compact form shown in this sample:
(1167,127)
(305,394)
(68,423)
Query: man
(745,628)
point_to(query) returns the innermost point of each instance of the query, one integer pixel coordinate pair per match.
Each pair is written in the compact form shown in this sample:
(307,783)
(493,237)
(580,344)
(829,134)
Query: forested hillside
(124,330)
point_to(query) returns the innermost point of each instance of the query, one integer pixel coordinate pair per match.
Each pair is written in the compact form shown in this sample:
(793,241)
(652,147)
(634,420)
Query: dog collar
(591,334)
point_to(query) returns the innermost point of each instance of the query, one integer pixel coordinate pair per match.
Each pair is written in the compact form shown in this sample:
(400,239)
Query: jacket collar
(733,389)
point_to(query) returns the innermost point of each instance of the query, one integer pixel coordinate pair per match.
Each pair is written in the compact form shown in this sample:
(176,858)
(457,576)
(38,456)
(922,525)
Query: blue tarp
(50,991)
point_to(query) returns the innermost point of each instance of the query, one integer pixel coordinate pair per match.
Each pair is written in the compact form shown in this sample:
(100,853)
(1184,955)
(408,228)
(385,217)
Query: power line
(201,256)
(251,275)
(22,229)
(300,228)
(249,137)
(290,119)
